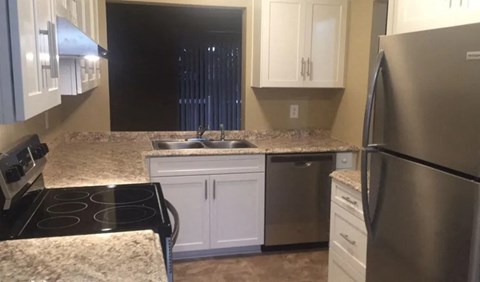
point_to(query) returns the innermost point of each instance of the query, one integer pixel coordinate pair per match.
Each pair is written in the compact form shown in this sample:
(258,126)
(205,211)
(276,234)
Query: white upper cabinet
(79,75)
(326,30)
(299,43)
(34,54)
(68,9)
(282,43)
(413,15)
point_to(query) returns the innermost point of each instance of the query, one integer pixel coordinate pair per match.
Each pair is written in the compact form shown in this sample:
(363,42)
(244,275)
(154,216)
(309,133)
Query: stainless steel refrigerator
(421,157)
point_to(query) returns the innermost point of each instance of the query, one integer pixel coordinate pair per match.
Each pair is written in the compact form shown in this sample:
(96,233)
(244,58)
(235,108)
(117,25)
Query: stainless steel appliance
(29,210)
(298,198)
(421,145)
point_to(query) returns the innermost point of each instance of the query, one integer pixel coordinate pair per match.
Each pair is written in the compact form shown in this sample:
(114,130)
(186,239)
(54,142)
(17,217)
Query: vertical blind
(209,72)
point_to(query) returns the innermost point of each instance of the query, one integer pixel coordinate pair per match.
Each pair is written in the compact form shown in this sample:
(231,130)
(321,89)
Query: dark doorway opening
(174,68)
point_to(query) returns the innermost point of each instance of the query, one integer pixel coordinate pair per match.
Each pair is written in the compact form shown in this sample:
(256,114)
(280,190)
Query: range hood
(72,42)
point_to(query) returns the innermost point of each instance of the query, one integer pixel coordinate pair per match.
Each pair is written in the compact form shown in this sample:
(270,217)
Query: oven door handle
(176,218)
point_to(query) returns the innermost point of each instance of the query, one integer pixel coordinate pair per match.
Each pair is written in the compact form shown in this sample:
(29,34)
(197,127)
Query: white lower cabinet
(221,203)
(340,270)
(237,210)
(189,196)
(348,236)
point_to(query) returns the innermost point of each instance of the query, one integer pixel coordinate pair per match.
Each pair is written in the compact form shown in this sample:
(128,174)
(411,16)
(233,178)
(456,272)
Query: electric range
(30,210)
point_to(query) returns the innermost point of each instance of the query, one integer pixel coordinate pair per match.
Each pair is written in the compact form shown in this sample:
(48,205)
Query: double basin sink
(201,144)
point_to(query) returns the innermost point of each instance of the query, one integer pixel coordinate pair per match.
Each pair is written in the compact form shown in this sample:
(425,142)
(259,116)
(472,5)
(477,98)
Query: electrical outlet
(293,111)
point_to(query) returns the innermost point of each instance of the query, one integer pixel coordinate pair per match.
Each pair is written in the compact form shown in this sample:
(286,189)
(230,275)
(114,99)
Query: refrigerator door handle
(366,141)
(371,99)
(364,191)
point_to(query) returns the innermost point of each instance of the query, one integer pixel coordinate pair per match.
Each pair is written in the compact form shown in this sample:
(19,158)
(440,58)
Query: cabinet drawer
(200,165)
(339,270)
(347,198)
(348,235)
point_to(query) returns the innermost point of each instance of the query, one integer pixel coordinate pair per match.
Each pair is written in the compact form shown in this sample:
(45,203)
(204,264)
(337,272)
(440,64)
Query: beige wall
(348,123)
(269,108)
(339,110)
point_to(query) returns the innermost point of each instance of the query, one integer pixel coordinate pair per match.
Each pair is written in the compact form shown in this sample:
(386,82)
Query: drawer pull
(350,241)
(350,200)
(206,190)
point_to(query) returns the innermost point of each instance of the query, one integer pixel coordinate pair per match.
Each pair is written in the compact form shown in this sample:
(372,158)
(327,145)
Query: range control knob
(20,169)
(13,174)
(37,153)
(40,151)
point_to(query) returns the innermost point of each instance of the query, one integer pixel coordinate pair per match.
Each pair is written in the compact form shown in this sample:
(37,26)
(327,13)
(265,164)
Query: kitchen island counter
(124,256)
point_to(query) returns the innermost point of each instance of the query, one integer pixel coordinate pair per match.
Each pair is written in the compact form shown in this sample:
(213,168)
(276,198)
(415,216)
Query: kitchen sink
(176,145)
(206,144)
(228,144)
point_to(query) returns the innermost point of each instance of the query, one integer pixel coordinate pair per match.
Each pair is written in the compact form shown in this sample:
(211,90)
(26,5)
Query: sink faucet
(200,131)
(222,132)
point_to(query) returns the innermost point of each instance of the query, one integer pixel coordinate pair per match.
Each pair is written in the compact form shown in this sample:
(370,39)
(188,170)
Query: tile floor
(298,266)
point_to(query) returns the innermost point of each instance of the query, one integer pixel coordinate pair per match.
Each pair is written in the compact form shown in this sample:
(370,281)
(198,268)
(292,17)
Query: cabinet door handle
(350,241)
(214,189)
(52,49)
(302,72)
(206,190)
(350,200)
(308,68)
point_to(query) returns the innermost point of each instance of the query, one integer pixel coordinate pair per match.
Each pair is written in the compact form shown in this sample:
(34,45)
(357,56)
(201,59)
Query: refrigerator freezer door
(425,223)
(428,97)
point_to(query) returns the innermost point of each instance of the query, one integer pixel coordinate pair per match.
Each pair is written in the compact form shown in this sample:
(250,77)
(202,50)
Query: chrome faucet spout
(200,131)
(222,132)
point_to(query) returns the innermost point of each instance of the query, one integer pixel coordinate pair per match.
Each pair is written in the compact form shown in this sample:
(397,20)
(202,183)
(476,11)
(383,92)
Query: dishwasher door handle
(302,164)
(302,158)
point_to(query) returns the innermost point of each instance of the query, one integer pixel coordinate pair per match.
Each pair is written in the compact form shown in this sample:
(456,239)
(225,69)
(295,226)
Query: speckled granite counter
(350,178)
(96,163)
(126,256)
(89,158)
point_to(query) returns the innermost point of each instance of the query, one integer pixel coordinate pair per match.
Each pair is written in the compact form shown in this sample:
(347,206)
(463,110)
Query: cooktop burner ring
(68,207)
(137,214)
(58,222)
(122,196)
(71,196)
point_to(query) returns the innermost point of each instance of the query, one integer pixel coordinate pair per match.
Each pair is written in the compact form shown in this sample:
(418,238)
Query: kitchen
(340,111)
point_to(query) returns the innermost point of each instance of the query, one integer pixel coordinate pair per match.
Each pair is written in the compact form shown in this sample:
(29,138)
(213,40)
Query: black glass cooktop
(89,210)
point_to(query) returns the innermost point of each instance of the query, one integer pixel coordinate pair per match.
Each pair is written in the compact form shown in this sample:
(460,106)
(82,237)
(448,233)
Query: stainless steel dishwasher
(298,198)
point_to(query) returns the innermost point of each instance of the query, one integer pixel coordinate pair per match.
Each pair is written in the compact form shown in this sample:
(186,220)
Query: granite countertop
(350,178)
(101,158)
(76,164)
(125,256)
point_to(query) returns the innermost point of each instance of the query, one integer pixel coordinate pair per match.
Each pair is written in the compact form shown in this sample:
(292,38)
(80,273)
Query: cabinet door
(34,57)
(414,15)
(283,23)
(340,270)
(237,210)
(189,195)
(325,36)
(469,12)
